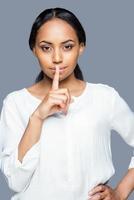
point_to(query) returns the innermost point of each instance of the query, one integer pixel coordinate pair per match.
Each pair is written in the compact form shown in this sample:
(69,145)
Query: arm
(126,185)
(18,174)
(31,135)
(122,121)
(120,192)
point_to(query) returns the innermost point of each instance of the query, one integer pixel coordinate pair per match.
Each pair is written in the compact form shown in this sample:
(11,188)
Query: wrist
(36,117)
(119,194)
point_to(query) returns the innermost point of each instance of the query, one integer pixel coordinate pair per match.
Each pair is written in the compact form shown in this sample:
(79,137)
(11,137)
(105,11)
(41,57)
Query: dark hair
(65,15)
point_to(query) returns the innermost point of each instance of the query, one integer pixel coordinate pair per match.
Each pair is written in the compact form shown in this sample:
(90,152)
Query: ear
(81,49)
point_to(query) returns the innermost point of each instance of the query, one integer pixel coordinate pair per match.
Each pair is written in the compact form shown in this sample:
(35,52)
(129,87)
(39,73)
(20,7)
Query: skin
(58,54)
(57,31)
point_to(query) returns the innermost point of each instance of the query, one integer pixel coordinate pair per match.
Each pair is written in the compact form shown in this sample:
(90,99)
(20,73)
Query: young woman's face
(57,44)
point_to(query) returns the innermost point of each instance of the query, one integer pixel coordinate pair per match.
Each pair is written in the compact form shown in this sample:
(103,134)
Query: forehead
(56,30)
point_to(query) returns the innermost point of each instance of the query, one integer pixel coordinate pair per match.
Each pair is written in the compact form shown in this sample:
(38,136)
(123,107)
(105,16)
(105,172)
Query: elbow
(16,187)
(12,178)
(15,184)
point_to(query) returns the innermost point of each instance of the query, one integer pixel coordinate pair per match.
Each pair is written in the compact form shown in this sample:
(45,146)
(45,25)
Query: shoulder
(16,96)
(102,94)
(20,94)
(17,103)
(102,88)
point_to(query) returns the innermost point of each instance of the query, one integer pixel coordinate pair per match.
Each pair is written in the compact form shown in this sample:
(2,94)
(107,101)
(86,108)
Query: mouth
(60,68)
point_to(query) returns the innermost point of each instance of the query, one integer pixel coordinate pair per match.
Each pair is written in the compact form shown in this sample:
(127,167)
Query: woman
(57,131)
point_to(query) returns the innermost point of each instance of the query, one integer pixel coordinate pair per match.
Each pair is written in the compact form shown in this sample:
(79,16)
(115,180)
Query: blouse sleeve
(17,174)
(122,121)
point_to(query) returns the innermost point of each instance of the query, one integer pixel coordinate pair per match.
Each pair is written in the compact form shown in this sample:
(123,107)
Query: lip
(60,68)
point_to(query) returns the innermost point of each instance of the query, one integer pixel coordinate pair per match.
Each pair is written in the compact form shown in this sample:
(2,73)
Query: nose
(57,56)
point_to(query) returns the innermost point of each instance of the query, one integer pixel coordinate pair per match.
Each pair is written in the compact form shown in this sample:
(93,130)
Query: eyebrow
(61,42)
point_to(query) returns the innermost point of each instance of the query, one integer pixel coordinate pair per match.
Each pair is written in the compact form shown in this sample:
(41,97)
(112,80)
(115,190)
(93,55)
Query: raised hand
(57,99)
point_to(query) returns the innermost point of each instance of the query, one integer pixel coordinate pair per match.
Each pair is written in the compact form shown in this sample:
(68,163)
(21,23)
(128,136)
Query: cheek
(68,57)
(71,57)
(44,60)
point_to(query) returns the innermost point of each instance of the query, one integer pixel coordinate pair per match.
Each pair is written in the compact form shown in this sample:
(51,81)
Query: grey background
(108,57)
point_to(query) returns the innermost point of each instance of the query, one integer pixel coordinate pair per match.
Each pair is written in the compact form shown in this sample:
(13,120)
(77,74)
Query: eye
(45,48)
(68,47)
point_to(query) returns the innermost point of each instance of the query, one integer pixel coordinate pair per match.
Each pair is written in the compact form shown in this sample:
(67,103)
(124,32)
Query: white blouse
(73,154)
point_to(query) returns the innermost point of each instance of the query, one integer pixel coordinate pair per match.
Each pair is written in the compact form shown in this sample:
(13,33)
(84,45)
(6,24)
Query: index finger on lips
(55,83)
